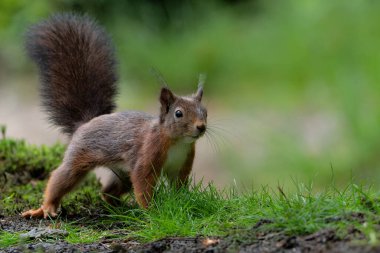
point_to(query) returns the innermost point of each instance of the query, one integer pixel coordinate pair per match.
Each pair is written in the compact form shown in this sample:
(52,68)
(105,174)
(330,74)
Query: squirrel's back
(77,69)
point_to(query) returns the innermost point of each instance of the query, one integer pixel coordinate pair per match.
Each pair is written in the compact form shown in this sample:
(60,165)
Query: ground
(253,240)
(195,218)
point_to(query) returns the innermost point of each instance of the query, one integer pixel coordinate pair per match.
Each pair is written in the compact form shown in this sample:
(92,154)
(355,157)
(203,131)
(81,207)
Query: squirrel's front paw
(41,212)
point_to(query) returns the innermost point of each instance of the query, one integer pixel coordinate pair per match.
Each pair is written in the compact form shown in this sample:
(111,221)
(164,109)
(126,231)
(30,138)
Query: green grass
(195,209)
(8,239)
(76,234)
(209,212)
(206,211)
(83,234)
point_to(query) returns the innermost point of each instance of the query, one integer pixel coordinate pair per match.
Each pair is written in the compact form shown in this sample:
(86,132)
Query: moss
(23,172)
(20,162)
(84,202)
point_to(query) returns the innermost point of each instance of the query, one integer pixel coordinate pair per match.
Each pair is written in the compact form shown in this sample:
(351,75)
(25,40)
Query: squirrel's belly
(177,155)
(105,175)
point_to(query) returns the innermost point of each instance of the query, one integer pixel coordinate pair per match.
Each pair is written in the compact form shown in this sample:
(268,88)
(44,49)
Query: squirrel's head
(183,117)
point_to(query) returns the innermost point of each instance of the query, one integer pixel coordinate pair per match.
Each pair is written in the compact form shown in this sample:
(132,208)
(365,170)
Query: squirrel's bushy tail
(77,68)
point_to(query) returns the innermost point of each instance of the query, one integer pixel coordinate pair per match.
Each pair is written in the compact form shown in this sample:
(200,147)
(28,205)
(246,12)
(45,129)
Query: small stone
(44,233)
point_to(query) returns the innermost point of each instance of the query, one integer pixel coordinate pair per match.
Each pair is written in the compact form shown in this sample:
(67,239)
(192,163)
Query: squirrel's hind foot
(41,212)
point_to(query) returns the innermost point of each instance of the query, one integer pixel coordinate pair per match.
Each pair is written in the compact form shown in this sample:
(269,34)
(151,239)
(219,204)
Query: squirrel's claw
(34,213)
(39,213)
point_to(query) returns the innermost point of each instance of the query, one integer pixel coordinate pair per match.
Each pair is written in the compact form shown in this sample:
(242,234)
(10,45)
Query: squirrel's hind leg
(115,183)
(61,182)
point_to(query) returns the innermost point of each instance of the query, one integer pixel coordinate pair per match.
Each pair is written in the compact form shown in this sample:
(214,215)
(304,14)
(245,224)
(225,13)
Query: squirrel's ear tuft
(199,94)
(167,98)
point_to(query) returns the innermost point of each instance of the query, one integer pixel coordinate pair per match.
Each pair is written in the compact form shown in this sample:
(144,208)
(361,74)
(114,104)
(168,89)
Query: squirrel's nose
(201,128)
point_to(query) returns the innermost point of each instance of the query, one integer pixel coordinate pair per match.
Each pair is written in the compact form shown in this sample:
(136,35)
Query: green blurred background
(293,86)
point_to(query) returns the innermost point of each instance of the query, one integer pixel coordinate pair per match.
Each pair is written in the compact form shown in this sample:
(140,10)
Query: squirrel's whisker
(214,141)
(211,143)
(219,136)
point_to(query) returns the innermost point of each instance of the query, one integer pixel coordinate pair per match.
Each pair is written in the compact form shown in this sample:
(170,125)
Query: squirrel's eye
(178,114)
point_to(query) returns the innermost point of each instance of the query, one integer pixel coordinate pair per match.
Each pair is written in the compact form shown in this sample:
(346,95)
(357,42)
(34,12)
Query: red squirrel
(77,65)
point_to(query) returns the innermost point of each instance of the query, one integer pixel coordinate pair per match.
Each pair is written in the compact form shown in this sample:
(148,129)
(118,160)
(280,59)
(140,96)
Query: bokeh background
(293,86)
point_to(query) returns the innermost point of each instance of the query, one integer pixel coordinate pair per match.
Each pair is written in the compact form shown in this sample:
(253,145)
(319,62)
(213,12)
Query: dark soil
(253,240)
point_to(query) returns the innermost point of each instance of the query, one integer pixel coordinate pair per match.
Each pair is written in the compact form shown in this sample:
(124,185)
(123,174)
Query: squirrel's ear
(199,94)
(167,98)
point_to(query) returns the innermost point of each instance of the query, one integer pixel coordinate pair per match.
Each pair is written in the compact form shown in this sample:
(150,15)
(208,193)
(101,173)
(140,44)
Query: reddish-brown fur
(78,95)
